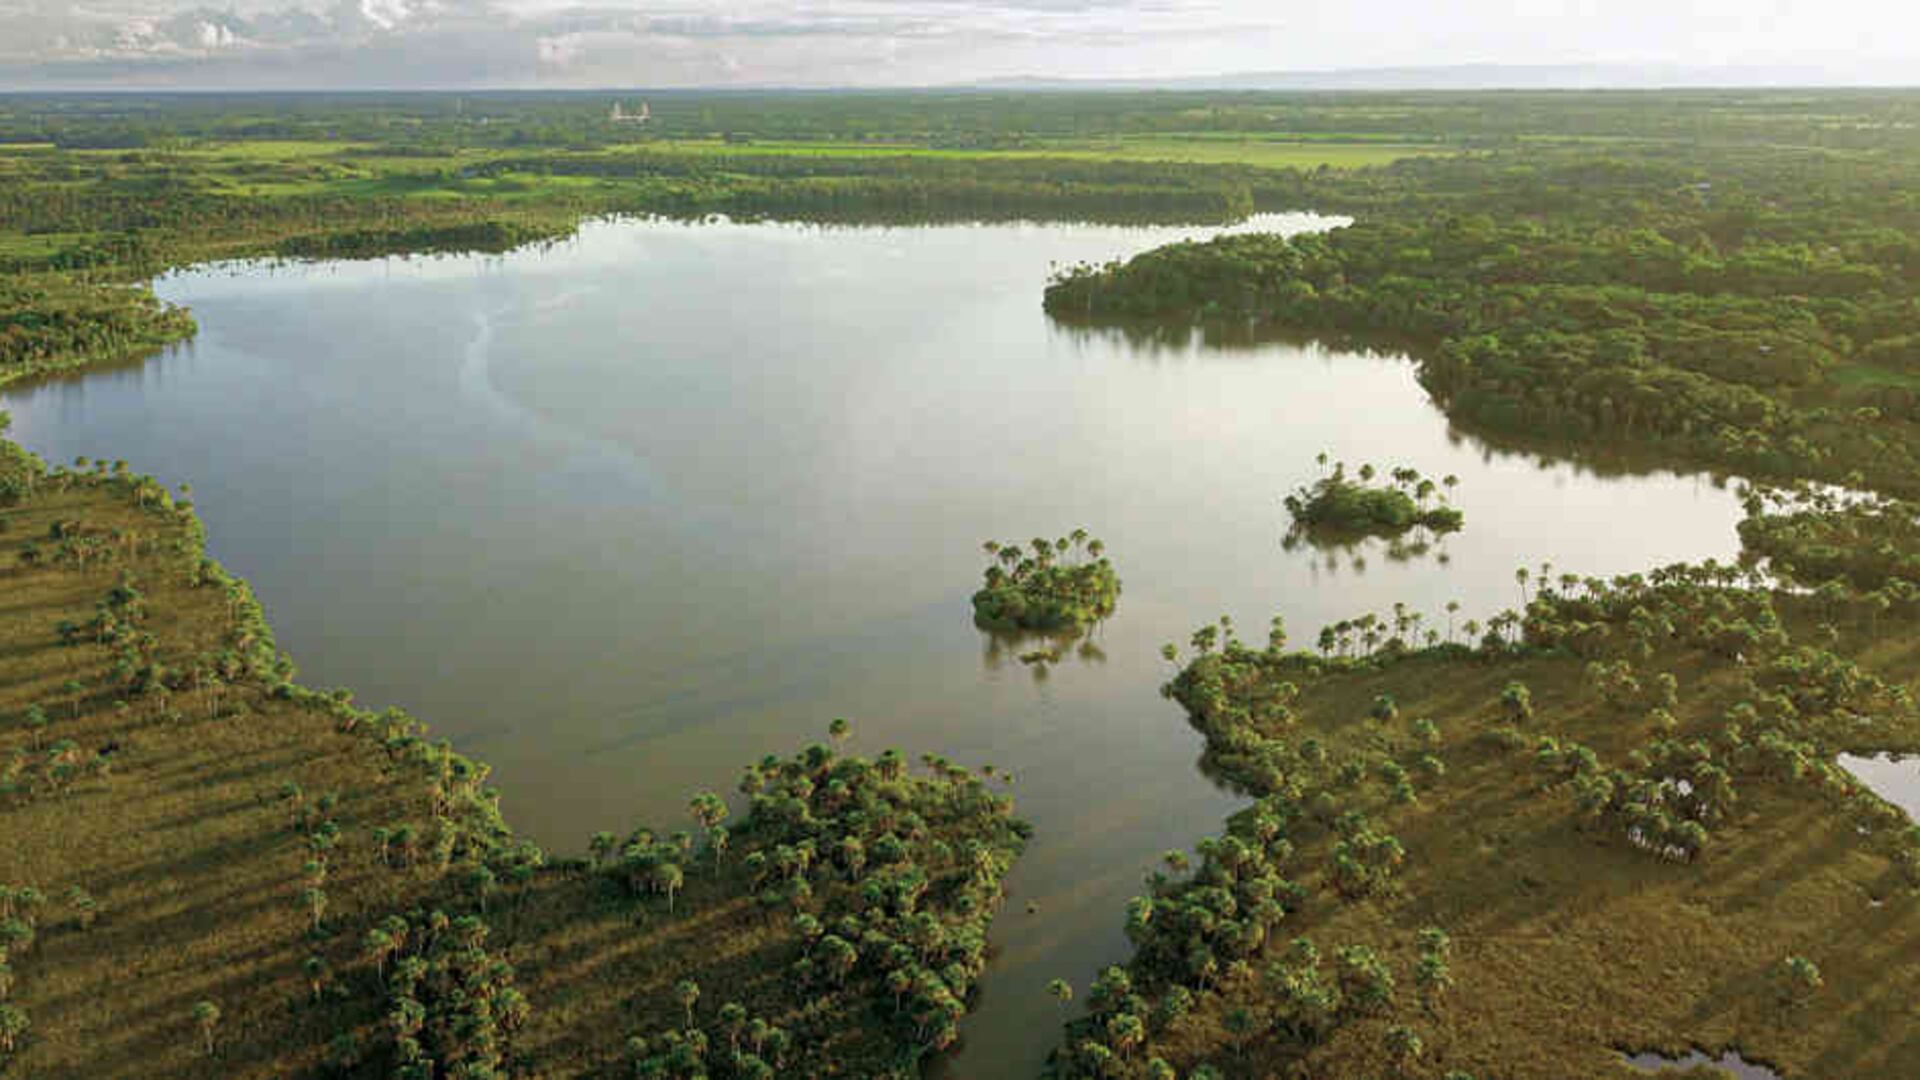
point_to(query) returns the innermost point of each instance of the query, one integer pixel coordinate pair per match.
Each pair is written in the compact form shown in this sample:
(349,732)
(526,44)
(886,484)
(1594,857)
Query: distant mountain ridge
(1595,76)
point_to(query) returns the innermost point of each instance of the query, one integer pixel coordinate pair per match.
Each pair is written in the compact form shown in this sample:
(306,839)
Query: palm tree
(1126,1032)
(315,970)
(839,956)
(1404,1046)
(16,936)
(378,947)
(1434,979)
(1517,700)
(839,730)
(316,904)
(667,878)
(1801,979)
(687,992)
(733,1020)
(1239,1023)
(27,898)
(207,1015)
(36,718)
(602,847)
(708,809)
(13,1024)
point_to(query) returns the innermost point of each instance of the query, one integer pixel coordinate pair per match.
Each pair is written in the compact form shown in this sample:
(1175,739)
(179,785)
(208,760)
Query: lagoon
(621,514)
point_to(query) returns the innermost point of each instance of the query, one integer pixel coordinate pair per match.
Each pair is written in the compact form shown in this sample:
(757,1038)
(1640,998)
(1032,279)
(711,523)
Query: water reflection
(1339,550)
(1039,652)
(1160,341)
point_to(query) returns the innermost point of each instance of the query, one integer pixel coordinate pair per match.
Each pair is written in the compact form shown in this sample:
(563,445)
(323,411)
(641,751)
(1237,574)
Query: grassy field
(1569,947)
(181,837)
(284,167)
(1572,942)
(1275,152)
(1264,153)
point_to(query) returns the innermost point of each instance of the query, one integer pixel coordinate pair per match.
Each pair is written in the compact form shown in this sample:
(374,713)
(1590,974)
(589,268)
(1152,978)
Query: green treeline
(80,231)
(1746,310)
(967,118)
(49,322)
(479,236)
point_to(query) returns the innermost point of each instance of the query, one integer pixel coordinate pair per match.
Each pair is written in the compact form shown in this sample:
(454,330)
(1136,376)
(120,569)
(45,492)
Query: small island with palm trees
(1337,505)
(1047,586)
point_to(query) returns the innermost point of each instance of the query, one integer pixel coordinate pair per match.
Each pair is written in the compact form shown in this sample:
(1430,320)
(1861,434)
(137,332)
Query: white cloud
(662,42)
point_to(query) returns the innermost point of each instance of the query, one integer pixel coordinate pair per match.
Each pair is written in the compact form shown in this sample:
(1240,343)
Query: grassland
(1534,793)
(1568,946)
(181,837)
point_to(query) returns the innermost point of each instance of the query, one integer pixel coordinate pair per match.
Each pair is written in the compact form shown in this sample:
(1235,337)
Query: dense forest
(1750,312)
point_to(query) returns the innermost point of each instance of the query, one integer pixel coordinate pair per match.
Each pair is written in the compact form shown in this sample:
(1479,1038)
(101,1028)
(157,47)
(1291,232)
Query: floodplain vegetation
(213,871)
(1614,822)
(1614,819)
(1611,820)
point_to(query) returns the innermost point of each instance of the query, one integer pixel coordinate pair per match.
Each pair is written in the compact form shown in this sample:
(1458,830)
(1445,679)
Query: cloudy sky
(561,43)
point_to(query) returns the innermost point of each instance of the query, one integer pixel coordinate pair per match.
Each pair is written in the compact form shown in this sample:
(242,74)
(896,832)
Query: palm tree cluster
(1210,934)
(452,1007)
(886,879)
(1048,586)
(19,928)
(1858,555)
(1338,506)
(44,767)
(733,1045)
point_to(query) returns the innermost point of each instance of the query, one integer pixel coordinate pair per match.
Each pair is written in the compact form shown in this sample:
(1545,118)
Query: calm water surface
(1893,777)
(622,515)
(1729,1063)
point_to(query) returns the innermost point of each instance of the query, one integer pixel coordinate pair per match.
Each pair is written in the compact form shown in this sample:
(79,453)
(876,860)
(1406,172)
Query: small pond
(1730,1063)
